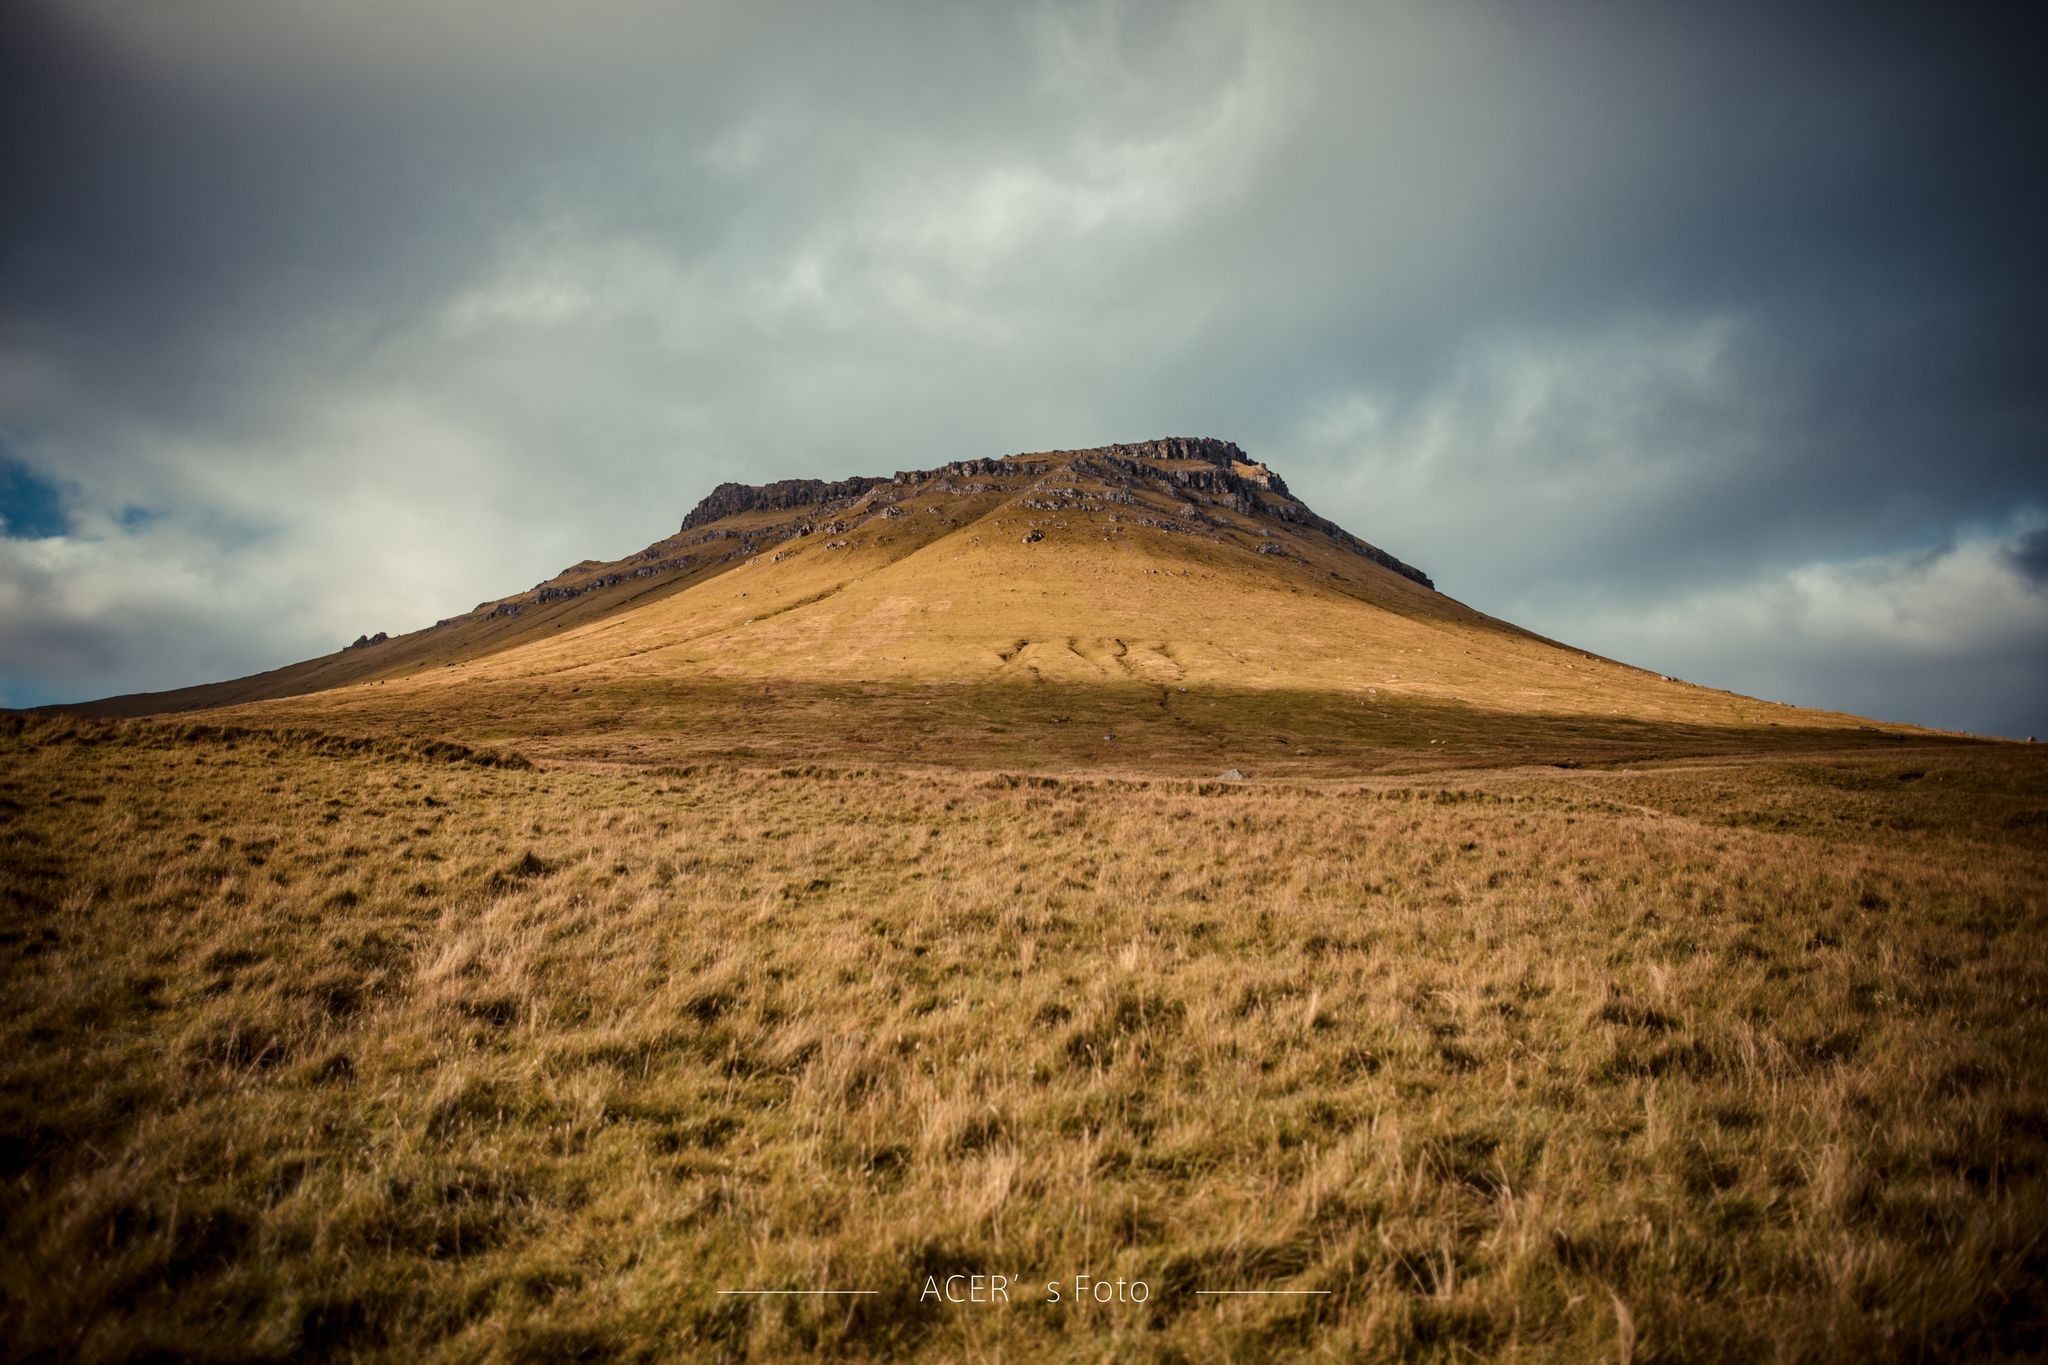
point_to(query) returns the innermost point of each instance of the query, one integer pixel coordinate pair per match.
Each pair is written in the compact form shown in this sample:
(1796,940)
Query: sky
(1705,336)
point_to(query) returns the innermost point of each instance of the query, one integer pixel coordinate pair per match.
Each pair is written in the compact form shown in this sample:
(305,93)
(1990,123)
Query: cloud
(381,310)
(1956,631)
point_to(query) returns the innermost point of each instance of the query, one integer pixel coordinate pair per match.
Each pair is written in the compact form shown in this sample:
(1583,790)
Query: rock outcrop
(731,499)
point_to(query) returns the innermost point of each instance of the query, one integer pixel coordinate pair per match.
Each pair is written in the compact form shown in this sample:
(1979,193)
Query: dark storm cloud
(2030,555)
(1642,325)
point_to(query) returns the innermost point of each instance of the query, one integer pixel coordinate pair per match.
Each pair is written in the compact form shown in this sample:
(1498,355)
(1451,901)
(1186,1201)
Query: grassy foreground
(395,1051)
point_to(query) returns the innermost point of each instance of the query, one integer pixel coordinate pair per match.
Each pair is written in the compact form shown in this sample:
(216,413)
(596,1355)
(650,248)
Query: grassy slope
(310,1051)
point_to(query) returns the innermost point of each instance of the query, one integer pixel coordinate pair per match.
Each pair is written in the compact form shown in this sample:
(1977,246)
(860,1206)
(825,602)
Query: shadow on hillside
(1048,726)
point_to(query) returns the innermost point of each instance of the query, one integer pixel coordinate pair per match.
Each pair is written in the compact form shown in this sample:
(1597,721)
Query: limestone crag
(731,499)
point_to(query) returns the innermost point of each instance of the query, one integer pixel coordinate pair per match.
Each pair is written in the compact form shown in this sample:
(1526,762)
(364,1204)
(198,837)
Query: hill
(1170,597)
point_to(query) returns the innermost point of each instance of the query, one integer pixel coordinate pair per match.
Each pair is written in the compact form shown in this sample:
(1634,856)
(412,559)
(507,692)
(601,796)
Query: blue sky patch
(31,508)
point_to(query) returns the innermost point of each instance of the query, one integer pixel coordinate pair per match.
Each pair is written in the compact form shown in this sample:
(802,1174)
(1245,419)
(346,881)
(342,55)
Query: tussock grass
(311,1049)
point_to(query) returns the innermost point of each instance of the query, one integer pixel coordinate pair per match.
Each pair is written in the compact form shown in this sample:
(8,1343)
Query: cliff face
(731,499)
(1205,448)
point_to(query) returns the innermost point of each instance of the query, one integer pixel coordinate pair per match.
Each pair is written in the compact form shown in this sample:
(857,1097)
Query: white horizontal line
(799,1291)
(1262,1291)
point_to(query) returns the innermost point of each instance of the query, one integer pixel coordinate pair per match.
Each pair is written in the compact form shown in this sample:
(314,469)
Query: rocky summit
(1211,487)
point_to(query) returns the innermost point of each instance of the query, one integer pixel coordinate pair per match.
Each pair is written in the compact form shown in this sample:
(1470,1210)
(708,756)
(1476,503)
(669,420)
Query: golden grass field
(387,1049)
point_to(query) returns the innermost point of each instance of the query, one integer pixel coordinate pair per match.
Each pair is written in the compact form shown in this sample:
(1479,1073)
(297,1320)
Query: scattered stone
(1031,537)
